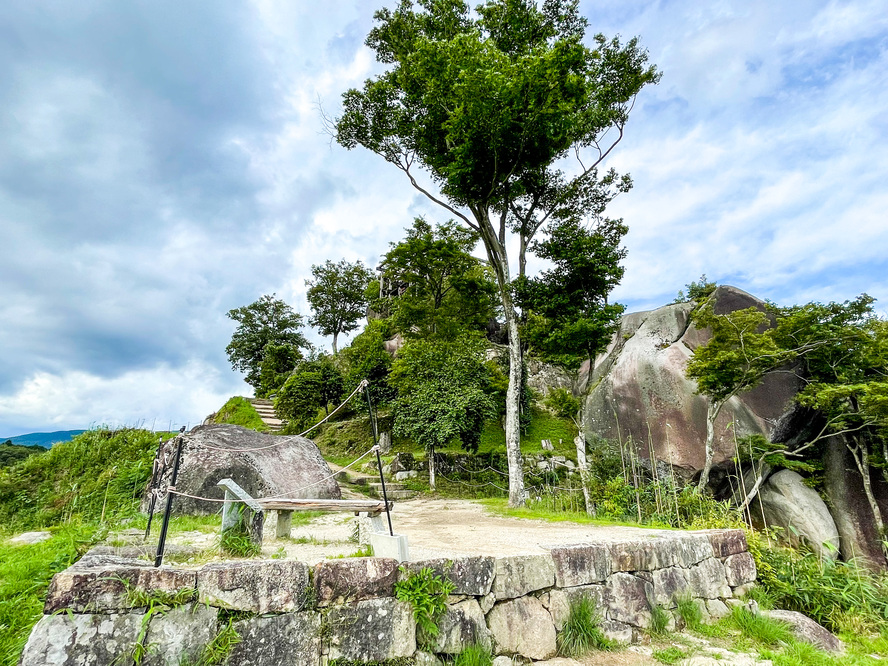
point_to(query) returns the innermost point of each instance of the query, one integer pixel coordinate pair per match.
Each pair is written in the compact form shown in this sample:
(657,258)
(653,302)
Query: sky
(164,162)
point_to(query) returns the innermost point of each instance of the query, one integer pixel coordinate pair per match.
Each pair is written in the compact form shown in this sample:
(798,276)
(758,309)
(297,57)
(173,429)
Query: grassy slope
(240,411)
(75,489)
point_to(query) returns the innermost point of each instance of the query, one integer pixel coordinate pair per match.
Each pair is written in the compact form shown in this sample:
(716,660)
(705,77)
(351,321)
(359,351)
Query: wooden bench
(232,514)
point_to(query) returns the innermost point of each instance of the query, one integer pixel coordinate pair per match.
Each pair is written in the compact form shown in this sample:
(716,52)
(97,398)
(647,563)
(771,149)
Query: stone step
(375,485)
(395,494)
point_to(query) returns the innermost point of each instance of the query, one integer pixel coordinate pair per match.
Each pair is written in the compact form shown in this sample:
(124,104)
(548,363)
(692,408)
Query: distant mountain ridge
(44,439)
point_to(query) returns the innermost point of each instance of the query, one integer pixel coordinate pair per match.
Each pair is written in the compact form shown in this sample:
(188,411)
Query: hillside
(44,439)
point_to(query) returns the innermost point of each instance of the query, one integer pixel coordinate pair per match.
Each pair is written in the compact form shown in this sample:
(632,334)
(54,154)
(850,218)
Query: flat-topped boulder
(263,465)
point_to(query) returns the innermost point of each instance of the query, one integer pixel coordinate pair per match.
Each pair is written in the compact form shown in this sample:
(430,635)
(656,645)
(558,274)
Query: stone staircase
(265,409)
(371,485)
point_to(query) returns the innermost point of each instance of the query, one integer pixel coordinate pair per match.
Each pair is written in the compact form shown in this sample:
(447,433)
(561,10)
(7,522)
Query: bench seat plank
(370,506)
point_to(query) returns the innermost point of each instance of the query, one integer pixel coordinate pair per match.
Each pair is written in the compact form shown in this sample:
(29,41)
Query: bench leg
(284,524)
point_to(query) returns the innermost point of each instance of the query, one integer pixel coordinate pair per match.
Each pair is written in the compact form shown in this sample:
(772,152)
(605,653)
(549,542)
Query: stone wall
(288,614)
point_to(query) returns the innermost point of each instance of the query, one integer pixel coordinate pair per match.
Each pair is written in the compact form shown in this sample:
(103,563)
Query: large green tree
(267,321)
(337,297)
(433,285)
(509,111)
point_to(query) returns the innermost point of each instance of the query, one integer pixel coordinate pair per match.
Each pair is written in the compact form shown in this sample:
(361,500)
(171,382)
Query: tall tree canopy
(267,321)
(491,104)
(337,297)
(433,284)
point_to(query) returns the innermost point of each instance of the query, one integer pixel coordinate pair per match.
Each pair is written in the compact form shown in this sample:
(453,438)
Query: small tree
(367,358)
(268,321)
(748,344)
(313,385)
(442,394)
(337,297)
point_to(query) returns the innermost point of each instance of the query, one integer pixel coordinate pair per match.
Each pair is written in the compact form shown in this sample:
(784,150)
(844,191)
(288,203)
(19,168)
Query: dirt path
(437,528)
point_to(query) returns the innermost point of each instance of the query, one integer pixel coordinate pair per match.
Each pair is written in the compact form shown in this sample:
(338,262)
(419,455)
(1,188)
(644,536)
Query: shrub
(427,593)
(562,403)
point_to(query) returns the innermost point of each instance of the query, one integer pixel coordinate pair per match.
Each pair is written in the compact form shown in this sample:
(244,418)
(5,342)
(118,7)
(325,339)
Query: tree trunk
(860,453)
(711,414)
(499,261)
(513,425)
(580,442)
(431,455)
(335,336)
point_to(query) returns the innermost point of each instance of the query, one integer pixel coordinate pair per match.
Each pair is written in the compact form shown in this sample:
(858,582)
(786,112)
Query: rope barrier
(282,442)
(173,491)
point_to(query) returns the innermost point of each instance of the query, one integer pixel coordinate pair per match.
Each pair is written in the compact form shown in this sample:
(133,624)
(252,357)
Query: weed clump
(581,633)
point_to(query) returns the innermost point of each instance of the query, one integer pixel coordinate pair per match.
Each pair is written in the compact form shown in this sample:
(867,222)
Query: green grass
(580,633)
(25,572)
(500,506)
(659,621)
(670,655)
(97,476)
(760,628)
(240,411)
(689,612)
(543,425)
(473,655)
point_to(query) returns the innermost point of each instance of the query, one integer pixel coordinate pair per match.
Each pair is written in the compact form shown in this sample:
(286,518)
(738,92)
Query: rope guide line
(301,434)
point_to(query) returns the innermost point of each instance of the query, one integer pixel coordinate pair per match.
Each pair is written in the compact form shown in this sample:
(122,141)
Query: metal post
(161,543)
(159,464)
(388,514)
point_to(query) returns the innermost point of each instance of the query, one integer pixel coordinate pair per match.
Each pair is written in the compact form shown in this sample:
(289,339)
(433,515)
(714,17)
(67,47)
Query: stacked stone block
(287,614)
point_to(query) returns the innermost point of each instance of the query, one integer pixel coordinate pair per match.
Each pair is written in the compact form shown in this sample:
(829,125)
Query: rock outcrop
(263,465)
(639,393)
(785,501)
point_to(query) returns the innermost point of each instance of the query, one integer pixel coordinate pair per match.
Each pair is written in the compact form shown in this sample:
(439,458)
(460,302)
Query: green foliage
(98,474)
(337,296)
(581,633)
(473,655)
(659,621)
(267,321)
(562,403)
(139,597)
(743,347)
(12,453)
(217,650)
(689,611)
(569,319)
(830,592)
(427,593)
(277,363)
(760,628)
(441,392)
(434,286)
(366,358)
(670,655)
(240,411)
(236,541)
(25,572)
(697,291)
(314,384)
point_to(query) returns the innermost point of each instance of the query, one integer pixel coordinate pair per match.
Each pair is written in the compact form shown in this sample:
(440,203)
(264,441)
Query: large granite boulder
(264,465)
(640,392)
(787,502)
(849,507)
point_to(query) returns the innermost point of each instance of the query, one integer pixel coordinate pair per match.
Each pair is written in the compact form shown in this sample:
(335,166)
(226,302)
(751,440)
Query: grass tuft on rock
(581,633)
